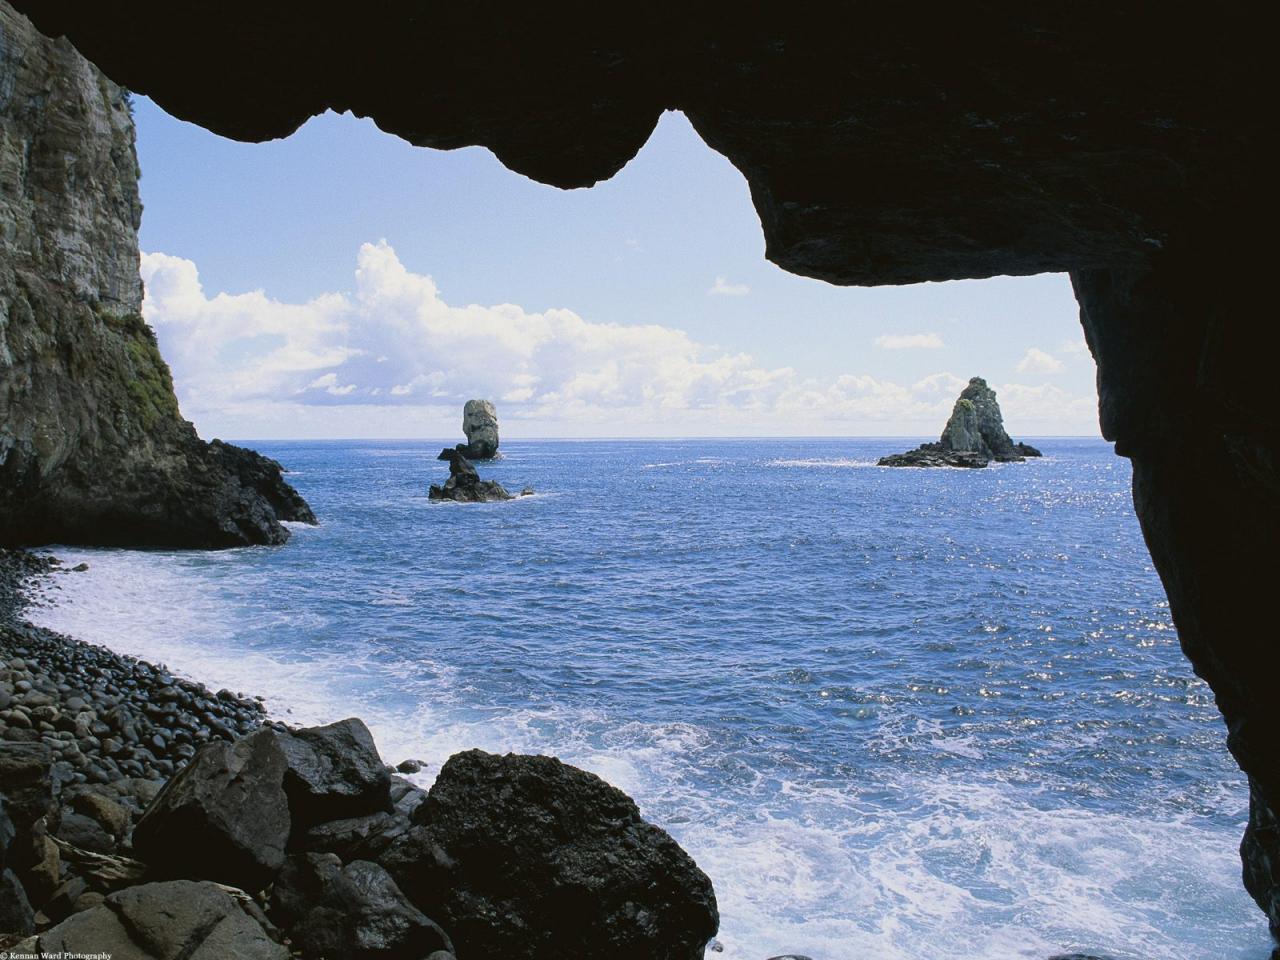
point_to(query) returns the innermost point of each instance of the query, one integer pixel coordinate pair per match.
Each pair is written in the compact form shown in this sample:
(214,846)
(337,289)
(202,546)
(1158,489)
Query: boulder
(16,915)
(480,424)
(355,912)
(7,834)
(464,484)
(26,782)
(527,858)
(175,920)
(973,437)
(334,772)
(223,817)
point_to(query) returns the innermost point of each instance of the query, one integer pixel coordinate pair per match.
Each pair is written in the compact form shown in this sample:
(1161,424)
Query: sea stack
(464,484)
(480,424)
(973,436)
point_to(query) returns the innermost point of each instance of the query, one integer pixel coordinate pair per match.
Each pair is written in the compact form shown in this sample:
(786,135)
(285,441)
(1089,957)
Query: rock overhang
(882,144)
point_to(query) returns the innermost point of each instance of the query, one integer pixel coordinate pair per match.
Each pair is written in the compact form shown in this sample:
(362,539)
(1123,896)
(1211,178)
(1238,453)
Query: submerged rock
(480,424)
(464,484)
(973,437)
(527,858)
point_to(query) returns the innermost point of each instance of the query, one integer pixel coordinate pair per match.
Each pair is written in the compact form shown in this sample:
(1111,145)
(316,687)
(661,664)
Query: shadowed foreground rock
(527,858)
(973,437)
(177,920)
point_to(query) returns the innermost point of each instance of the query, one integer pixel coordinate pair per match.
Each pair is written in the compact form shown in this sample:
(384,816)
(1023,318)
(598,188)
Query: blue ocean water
(893,713)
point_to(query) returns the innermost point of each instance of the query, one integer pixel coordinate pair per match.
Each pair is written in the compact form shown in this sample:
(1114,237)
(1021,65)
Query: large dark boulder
(355,912)
(224,816)
(527,858)
(334,772)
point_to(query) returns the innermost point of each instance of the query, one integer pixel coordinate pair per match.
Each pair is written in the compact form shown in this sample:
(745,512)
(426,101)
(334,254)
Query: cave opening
(974,143)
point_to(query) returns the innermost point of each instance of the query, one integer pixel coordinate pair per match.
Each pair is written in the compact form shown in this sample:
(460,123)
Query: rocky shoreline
(143,815)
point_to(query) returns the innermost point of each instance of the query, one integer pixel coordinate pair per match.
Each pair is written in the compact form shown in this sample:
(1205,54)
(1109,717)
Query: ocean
(894,714)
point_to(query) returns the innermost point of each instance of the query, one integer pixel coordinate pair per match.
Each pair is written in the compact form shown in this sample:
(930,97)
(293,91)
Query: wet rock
(464,484)
(409,766)
(334,772)
(224,817)
(355,912)
(480,424)
(973,437)
(527,858)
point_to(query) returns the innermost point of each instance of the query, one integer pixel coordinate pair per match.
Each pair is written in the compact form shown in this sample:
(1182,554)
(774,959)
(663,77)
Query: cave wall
(885,143)
(93,448)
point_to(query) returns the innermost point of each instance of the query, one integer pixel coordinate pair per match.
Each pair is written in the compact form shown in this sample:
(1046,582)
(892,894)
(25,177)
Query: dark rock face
(480,424)
(333,772)
(526,858)
(354,912)
(93,448)
(224,817)
(973,437)
(464,484)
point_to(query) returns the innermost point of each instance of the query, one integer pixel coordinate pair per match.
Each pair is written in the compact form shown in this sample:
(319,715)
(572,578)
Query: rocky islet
(973,437)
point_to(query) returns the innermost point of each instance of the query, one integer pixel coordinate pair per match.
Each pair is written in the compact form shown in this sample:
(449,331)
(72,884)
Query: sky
(342,283)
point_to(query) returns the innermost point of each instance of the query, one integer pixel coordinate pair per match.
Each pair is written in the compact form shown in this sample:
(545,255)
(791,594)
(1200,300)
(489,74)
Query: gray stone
(973,437)
(174,920)
(480,424)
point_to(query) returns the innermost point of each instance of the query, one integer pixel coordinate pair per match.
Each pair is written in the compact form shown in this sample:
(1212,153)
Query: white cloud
(724,288)
(1037,361)
(394,356)
(909,341)
(1072,347)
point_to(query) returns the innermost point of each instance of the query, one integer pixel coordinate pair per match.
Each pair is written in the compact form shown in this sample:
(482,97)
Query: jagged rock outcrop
(464,484)
(973,437)
(1127,145)
(93,448)
(480,424)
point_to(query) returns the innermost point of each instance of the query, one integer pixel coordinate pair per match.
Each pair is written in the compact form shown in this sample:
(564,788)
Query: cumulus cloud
(909,341)
(723,288)
(395,349)
(1037,361)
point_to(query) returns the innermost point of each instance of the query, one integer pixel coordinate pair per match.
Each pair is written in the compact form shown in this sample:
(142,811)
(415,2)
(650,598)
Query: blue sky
(343,283)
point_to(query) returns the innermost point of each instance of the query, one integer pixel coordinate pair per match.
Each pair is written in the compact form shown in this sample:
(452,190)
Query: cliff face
(93,448)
